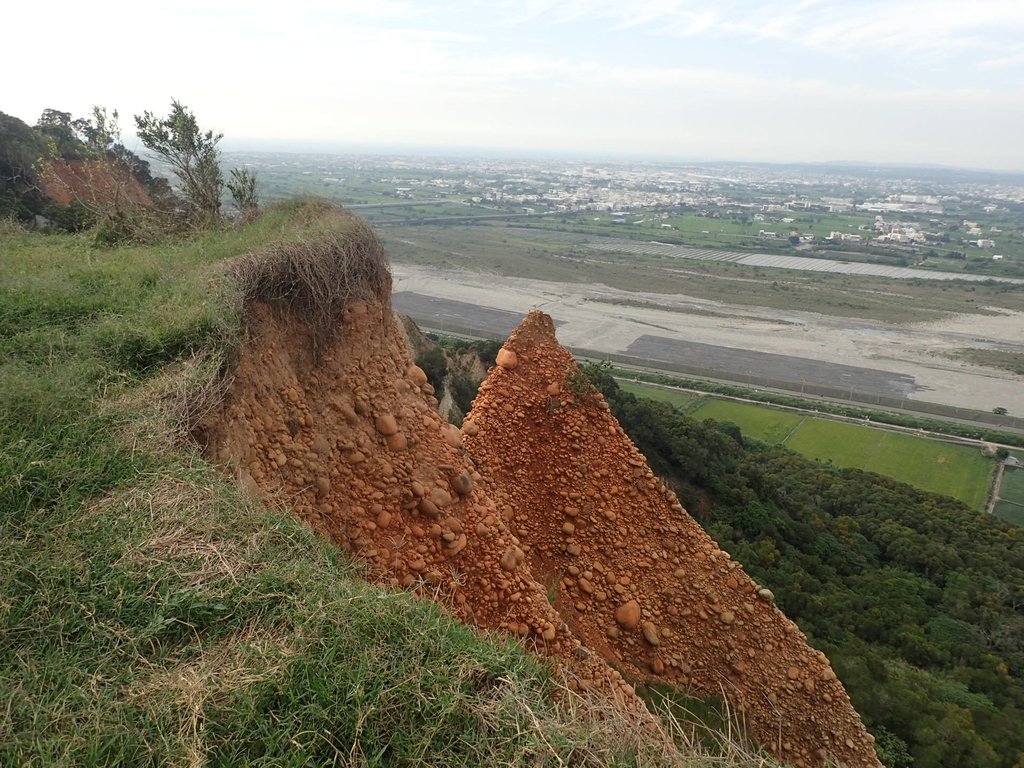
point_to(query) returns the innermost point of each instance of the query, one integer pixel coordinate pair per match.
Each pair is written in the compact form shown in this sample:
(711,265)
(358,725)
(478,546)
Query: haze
(896,81)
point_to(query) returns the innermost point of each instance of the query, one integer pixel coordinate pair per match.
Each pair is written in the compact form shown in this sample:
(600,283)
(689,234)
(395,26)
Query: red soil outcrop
(93,182)
(352,440)
(551,493)
(638,580)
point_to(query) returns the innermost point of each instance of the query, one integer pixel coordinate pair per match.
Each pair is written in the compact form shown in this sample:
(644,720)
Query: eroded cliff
(540,490)
(638,580)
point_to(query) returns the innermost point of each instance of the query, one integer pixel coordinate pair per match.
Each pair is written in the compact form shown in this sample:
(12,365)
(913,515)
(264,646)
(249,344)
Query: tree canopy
(192,154)
(917,599)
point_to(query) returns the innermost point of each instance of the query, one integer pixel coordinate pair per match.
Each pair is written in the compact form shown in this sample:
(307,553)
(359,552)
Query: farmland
(932,465)
(1010,506)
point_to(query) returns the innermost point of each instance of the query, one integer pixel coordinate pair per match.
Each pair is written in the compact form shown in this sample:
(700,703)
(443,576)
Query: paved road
(740,363)
(455,315)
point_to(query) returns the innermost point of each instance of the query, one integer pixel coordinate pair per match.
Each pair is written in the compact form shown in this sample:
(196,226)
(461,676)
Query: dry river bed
(588,316)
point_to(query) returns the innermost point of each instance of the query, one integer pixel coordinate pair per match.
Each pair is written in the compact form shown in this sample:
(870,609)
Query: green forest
(917,599)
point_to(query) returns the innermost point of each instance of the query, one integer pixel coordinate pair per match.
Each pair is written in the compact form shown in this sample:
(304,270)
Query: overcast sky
(936,81)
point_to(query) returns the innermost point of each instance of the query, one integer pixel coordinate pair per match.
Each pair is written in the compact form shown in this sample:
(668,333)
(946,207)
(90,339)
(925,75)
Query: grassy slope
(1012,487)
(148,613)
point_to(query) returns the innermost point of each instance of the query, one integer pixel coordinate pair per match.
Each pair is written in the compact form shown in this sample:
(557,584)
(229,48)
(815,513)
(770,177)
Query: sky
(886,81)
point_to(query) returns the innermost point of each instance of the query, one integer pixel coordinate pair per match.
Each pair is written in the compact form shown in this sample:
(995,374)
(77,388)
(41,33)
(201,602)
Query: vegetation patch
(1010,512)
(336,259)
(993,358)
(1012,487)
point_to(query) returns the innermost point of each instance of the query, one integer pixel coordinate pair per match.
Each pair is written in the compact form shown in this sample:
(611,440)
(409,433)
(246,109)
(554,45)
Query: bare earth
(588,317)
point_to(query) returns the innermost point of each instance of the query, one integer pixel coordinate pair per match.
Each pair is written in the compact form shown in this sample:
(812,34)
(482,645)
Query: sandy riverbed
(590,319)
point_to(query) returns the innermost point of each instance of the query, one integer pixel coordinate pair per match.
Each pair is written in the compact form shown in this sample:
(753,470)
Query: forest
(916,599)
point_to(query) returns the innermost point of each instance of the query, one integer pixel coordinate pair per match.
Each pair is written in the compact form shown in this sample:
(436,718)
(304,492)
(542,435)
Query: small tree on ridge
(191,153)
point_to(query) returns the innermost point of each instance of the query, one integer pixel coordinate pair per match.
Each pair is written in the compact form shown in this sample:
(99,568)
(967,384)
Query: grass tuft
(317,274)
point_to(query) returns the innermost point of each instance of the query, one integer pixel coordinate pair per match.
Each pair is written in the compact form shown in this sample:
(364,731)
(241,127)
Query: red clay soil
(92,182)
(353,442)
(638,580)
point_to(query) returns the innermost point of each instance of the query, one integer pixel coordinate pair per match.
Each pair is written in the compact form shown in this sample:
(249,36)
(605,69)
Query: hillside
(153,611)
(69,175)
(327,409)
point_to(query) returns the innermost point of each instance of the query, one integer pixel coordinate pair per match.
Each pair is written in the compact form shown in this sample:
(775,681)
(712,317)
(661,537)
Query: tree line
(100,168)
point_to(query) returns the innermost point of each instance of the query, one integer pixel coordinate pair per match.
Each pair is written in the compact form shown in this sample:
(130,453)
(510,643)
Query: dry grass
(182,693)
(315,275)
(601,731)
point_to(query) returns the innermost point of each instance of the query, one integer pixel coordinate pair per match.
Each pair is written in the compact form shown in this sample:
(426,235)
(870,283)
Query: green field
(1010,512)
(681,400)
(954,470)
(931,465)
(1012,487)
(759,422)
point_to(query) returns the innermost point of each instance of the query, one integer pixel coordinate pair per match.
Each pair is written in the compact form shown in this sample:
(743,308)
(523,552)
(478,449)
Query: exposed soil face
(550,493)
(94,182)
(353,442)
(638,580)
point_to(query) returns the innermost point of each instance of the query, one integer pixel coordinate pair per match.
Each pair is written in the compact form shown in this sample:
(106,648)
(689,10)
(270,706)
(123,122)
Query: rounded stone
(627,615)
(386,424)
(507,358)
(462,483)
(650,633)
(416,375)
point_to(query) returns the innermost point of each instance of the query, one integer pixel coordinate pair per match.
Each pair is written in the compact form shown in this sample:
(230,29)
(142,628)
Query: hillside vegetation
(917,599)
(149,612)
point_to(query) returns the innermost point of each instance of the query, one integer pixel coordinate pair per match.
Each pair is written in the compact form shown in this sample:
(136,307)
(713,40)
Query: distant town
(925,218)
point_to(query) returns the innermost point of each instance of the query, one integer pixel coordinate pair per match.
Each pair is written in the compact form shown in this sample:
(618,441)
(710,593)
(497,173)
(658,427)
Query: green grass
(1012,486)
(953,470)
(151,615)
(766,424)
(684,401)
(1010,512)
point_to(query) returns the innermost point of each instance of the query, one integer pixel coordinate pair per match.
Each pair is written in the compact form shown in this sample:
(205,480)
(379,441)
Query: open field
(684,401)
(1010,512)
(767,424)
(1012,487)
(953,470)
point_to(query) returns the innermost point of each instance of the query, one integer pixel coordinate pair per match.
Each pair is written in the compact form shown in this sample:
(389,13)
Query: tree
(192,155)
(242,186)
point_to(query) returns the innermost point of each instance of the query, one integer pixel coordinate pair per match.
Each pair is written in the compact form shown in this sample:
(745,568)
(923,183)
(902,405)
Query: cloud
(937,27)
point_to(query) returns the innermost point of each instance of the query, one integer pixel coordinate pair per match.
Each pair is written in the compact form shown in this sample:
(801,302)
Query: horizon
(902,83)
(243,145)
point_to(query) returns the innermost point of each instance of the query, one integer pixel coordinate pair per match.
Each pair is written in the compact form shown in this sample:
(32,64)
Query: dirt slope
(352,441)
(638,580)
(93,182)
